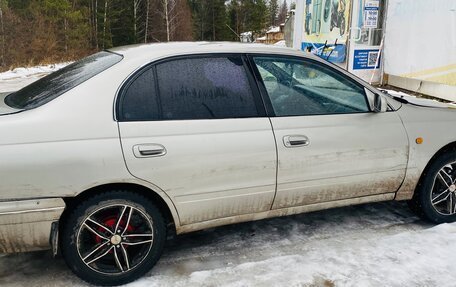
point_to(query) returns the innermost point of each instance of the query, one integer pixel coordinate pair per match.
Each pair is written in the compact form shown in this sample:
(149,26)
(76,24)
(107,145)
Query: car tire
(436,193)
(124,226)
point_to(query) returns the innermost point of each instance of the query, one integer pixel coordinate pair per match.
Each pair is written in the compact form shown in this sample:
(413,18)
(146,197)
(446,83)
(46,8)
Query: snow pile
(274,29)
(281,43)
(31,71)
(246,34)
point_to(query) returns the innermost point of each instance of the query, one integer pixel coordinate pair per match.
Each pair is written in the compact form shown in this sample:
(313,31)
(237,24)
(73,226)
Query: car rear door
(330,145)
(193,127)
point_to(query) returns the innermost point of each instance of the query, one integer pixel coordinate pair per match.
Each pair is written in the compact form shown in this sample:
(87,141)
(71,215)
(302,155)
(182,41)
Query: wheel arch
(164,204)
(447,148)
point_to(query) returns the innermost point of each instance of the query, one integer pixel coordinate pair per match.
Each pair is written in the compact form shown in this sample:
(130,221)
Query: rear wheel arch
(150,194)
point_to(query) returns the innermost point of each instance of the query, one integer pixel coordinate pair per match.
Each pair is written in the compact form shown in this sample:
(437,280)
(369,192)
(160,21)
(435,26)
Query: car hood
(422,102)
(4,108)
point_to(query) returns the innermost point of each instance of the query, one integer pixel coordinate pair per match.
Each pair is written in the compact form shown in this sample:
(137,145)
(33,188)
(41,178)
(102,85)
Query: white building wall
(420,46)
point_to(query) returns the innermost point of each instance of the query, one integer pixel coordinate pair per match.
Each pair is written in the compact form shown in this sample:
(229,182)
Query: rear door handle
(149,150)
(295,141)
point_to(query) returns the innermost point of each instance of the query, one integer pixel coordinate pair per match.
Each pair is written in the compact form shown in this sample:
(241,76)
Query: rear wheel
(435,197)
(113,238)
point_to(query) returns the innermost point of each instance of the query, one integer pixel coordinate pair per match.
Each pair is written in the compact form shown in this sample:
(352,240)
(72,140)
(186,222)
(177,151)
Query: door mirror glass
(377,102)
(380,104)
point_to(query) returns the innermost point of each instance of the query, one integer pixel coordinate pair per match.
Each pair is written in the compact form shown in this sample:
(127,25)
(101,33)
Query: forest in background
(47,31)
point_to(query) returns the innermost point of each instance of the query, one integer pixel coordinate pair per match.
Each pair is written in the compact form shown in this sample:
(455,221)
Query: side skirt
(283,212)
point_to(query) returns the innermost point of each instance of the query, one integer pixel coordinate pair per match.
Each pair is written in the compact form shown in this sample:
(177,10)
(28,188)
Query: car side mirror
(378,103)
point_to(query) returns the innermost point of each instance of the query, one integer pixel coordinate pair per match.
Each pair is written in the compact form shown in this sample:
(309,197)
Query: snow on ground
(281,43)
(380,244)
(17,78)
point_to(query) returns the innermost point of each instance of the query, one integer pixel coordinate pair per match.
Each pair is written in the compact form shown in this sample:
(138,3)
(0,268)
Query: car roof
(160,50)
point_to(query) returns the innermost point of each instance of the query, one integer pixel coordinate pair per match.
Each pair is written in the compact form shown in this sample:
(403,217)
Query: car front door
(330,145)
(194,128)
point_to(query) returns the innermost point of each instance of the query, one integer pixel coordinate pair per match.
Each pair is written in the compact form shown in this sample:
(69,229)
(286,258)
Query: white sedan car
(105,158)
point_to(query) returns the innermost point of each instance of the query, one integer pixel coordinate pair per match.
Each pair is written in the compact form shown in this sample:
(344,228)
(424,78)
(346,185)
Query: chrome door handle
(148,150)
(296,141)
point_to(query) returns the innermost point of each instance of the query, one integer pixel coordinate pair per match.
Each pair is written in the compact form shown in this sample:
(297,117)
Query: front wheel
(435,197)
(113,238)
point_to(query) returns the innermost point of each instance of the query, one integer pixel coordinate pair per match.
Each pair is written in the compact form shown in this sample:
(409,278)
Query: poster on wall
(371,11)
(326,28)
(366,59)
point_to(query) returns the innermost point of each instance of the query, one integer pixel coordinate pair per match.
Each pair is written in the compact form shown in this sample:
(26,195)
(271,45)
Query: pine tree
(273,12)
(210,20)
(283,12)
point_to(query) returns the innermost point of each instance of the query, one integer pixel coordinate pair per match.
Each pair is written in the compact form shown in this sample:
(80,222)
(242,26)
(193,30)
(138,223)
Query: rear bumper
(25,225)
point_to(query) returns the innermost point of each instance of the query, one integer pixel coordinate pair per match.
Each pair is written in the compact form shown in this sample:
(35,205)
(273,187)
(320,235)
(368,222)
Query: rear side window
(140,98)
(191,88)
(53,85)
(205,88)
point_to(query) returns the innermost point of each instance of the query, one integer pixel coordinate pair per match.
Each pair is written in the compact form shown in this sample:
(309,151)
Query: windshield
(53,85)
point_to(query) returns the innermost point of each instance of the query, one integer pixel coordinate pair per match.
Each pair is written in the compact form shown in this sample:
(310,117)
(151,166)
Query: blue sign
(366,59)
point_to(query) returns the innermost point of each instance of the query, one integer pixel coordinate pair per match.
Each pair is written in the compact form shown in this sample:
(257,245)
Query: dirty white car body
(206,172)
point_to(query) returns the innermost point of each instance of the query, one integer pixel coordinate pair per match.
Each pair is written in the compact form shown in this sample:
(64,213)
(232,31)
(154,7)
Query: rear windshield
(53,85)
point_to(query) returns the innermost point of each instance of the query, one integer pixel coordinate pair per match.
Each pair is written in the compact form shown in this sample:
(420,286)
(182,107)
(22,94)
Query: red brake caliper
(110,222)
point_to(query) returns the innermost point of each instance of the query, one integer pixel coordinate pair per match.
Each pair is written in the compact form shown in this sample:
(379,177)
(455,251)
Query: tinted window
(205,88)
(61,81)
(140,98)
(300,88)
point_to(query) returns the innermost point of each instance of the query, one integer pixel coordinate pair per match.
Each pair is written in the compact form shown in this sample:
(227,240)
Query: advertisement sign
(371,10)
(325,28)
(366,38)
(366,59)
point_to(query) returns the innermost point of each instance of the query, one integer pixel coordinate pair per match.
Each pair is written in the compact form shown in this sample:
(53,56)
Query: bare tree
(136,9)
(96,23)
(170,16)
(146,21)
(93,22)
(166,9)
(141,18)
(65,30)
(283,12)
(104,22)
(2,30)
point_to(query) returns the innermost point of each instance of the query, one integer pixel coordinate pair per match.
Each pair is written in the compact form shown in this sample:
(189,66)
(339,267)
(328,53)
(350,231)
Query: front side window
(55,84)
(299,88)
